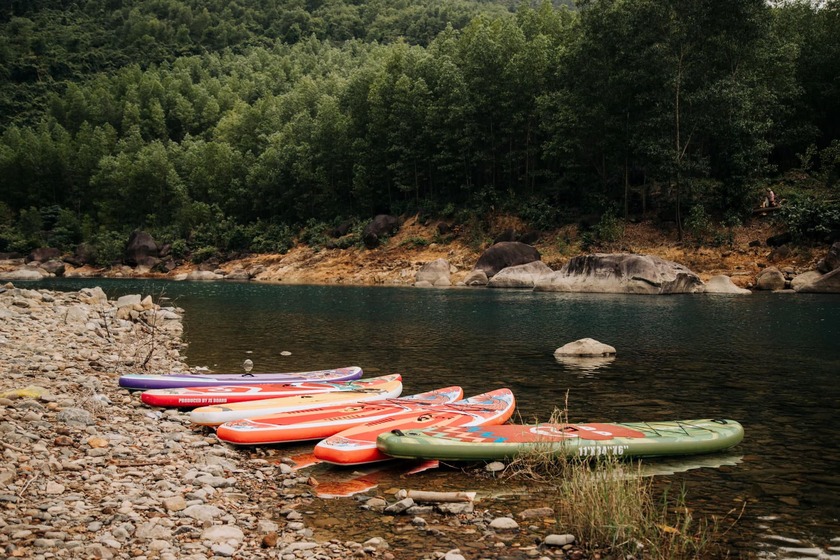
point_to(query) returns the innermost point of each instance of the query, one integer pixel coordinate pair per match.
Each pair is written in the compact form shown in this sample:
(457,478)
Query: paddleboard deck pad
(322,422)
(375,388)
(357,445)
(142,381)
(631,439)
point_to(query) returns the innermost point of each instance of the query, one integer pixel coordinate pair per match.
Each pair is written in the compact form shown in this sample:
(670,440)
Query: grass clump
(611,507)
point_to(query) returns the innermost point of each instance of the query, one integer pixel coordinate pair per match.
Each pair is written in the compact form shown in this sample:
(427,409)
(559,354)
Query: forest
(227,127)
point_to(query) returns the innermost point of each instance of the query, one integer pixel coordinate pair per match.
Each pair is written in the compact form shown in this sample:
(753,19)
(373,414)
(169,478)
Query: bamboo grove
(231,124)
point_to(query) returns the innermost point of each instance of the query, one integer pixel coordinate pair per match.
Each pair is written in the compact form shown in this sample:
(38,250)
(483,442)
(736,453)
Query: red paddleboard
(191,397)
(318,423)
(357,445)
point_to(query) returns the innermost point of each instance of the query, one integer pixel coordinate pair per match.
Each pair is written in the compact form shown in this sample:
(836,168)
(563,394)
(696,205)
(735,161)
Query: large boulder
(505,254)
(54,267)
(831,261)
(43,254)
(723,284)
(436,273)
(621,273)
(381,226)
(521,276)
(476,278)
(825,284)
(141,246)
(24,274)
(85,253)
(771,278)
(804,279)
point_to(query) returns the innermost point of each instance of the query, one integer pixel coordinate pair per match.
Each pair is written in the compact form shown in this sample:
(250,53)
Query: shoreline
(91,472)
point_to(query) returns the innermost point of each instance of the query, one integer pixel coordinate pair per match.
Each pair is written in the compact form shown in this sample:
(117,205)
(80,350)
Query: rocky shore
(90,472)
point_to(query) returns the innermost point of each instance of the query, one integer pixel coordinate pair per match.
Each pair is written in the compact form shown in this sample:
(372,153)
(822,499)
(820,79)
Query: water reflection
(585,364)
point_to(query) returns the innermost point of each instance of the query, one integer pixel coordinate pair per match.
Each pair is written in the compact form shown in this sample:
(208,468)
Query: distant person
(769,200)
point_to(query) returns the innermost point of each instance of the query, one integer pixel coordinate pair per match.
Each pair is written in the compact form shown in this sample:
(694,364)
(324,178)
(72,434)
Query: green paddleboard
(630,439)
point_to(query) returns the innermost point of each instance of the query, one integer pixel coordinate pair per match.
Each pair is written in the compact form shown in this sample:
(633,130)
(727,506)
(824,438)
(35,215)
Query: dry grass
(610,506)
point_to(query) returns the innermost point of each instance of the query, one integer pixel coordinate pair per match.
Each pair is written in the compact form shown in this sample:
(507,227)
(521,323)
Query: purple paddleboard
(142,381)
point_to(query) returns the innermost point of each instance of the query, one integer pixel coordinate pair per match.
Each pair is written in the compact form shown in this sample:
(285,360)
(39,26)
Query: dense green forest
(231,126)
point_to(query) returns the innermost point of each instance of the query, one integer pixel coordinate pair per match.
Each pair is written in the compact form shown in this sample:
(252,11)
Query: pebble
(87,471)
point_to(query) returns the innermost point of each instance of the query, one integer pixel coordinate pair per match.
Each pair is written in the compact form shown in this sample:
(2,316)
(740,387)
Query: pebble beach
(88,471)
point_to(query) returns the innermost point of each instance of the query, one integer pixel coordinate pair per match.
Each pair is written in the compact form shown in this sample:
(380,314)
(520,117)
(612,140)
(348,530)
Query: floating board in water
(375,388)
(324,421)
(191,397)
(631,439)
(141,381)
(357,445)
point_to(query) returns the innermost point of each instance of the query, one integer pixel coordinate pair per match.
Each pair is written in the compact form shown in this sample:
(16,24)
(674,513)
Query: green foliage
(699,224)
(314,234)
(271,238)
(202,119)
(203,254)
(540,214)
(415,242)
(610,228)
(809,216)
(109,247)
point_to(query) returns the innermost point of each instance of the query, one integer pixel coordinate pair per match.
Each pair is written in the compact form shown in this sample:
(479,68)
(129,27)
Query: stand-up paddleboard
(321,422)
(373,389)
(357,445)
(142,381)
(631,439)
(191,397)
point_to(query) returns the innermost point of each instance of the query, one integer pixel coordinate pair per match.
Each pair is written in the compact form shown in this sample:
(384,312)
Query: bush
(204,254)
(109,247)
(698,224)
(810,217)
(271,238)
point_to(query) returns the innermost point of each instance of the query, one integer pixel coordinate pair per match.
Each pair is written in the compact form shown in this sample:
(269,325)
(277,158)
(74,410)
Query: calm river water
(770,361)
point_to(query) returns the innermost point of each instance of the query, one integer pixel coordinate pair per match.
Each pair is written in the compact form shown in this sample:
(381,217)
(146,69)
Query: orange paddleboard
(357,445)
(321,422)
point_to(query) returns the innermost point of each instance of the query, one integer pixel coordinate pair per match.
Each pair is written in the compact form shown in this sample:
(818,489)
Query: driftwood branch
(440,497)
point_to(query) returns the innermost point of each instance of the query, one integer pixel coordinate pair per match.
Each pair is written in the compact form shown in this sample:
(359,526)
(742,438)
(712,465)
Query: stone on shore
(771,278)
(722,284)
(520,276)
(621,273)
(435,273)
(825,284)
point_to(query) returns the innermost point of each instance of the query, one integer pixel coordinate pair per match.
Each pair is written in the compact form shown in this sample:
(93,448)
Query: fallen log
(440,497)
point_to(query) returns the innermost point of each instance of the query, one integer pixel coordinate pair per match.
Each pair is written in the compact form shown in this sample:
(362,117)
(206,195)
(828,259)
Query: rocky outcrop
(722,284)
(43,254)
(142,250)
(505,254)
(521,276)
(831,261)
(621,273)
(381,226)
(825,284)
(435,273)
(771,278)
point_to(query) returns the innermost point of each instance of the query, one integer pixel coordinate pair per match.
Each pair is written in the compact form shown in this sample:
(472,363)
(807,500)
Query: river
(770,361)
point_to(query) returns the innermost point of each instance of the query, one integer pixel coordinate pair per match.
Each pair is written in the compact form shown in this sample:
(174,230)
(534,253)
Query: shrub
(109,247)
(810,217)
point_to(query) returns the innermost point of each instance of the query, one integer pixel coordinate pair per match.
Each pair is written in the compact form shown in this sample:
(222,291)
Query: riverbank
(90,472)
(398,259)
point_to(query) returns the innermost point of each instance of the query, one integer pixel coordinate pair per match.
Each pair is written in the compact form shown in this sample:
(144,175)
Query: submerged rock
(587,347)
